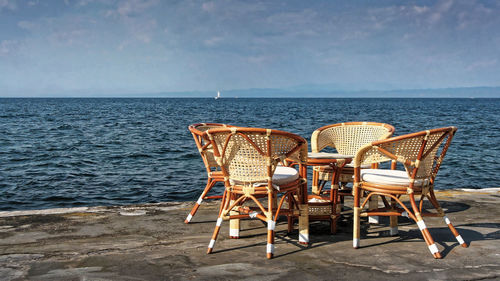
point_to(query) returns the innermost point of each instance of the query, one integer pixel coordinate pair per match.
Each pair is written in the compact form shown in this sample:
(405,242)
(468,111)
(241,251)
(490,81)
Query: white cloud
(212,42)
(8,46)
(442,8)
(6,4)
(420,9)
(83,3)
(331,60)
(481,64)
(130,7)
(69,38)
(208,6)
(259,59)
(27,25)
(143,30)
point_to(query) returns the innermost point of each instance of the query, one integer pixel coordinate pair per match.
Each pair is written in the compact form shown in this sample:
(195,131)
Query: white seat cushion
(318,200)
(364,166)
(388,177)
(283,175)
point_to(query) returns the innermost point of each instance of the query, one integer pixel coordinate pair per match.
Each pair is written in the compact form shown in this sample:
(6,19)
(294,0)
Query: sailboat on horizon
(218,95)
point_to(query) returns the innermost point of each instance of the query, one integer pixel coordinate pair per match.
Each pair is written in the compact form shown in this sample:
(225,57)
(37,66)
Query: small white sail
(218,95)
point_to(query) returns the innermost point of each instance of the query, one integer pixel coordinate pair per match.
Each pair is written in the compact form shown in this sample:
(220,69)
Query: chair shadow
(202,222)
(281,236)
(448,206)
(441,235)
(320,232)
(284,237)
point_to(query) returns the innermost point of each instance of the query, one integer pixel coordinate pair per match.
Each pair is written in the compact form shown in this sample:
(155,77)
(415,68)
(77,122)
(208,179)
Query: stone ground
(151,242)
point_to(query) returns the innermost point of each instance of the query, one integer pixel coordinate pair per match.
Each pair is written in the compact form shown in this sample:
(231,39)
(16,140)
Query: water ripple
(74,152)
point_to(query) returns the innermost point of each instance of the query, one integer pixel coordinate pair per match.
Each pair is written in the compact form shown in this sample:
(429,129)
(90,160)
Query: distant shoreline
(243,98)
(283,93)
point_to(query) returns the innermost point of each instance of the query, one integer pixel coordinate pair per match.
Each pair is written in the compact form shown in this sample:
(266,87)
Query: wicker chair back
(417,152)
(203,143)
(251,155)
(347,138)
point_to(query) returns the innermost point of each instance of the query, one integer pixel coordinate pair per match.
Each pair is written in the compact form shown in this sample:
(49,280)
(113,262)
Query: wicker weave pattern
(248,156)
(406,151)
(421,154)
(244,154)
(208,153)
(320,210)
(347,138)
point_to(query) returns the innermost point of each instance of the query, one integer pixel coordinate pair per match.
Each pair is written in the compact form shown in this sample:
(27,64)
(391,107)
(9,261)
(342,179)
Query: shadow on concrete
(320,232)
(441,235)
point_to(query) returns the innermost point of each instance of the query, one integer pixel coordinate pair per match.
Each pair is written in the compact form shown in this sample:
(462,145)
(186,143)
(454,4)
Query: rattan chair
(421,155)
(213,171)
(249,159)
(346,138)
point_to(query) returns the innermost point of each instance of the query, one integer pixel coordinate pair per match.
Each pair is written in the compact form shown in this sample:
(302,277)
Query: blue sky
(147,46)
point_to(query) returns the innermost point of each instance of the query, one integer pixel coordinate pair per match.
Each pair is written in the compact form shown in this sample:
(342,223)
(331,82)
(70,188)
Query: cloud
(132,7)
(251,42)
(259,59)
(8,5)
(208,6)
(420,9)
(8,46)
(481,64)
(27,25)
(69,37)
(212,42)
(143,30)
(442,8)
(331,60)
(83,3)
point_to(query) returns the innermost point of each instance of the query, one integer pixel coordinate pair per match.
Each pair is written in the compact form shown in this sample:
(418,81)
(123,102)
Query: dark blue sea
(88,152)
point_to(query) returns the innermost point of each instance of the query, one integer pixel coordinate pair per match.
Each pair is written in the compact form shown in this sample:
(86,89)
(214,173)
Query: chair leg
(356,224)
(435,203)
(290,219)
(423,228)
(393,220)
(315,182)
(214,235)
(356,228)
(208,187)
(335,215)
(340,202)
(372,205)
(234,224)
(393,223)
(271,224)
(304,224)
(224,206)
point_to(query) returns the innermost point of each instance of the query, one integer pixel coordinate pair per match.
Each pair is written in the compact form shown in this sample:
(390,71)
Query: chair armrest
(318,143)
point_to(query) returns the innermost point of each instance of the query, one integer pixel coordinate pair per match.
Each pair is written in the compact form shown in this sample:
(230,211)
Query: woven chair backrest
(203,143)
(250,155)
(415,151)
(347,138)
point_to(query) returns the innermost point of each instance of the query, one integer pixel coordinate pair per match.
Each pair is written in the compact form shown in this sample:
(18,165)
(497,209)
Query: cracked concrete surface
(151,242)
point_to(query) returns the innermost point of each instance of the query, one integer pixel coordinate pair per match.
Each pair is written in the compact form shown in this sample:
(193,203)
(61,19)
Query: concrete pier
(151,242)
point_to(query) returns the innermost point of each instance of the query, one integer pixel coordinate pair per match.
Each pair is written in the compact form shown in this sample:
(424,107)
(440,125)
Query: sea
(71,152)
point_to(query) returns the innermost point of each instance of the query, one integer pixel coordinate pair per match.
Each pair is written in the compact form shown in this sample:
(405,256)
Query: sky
(100,47)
